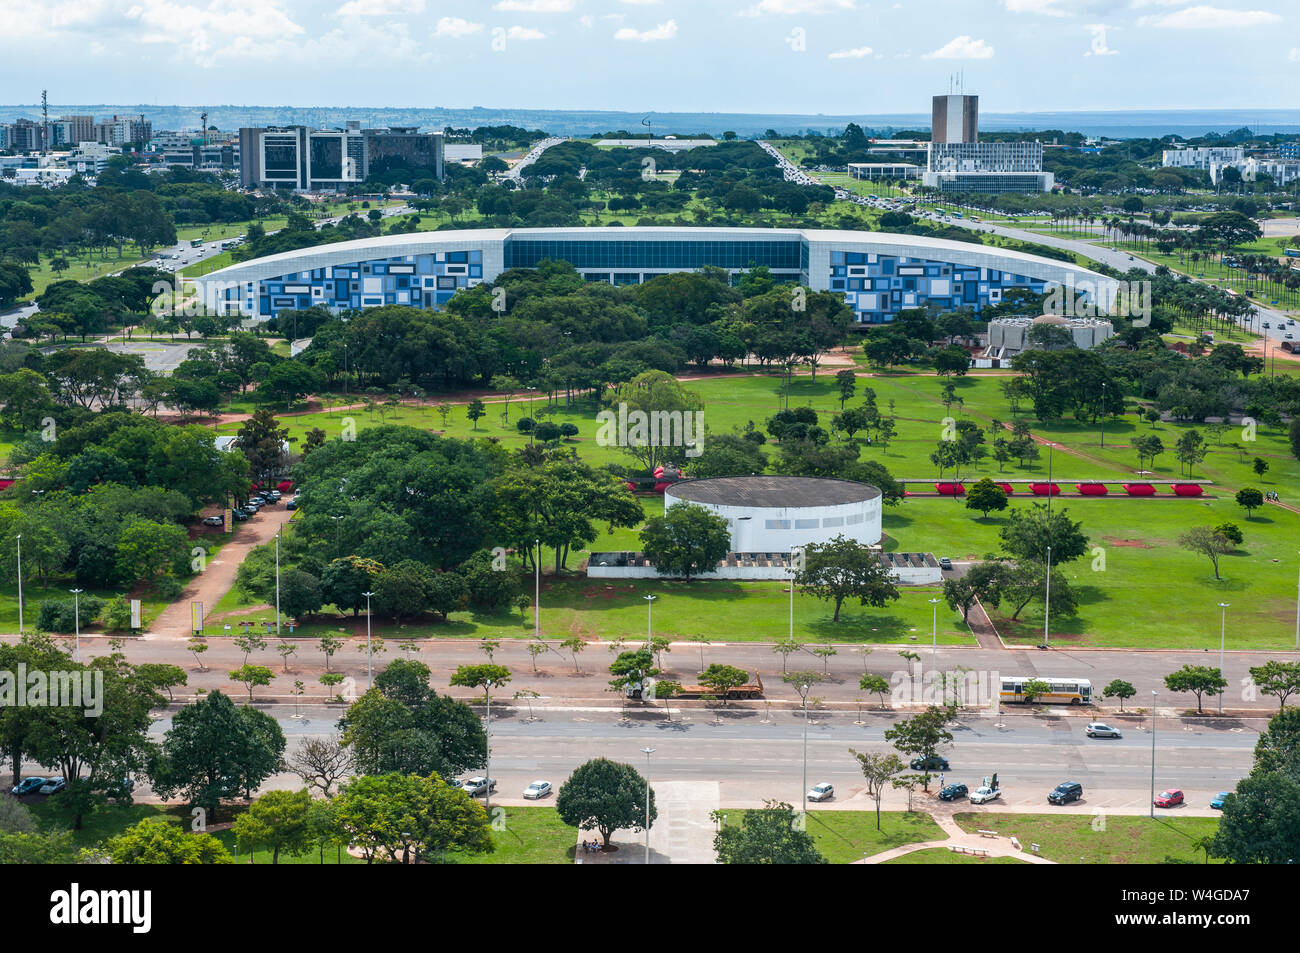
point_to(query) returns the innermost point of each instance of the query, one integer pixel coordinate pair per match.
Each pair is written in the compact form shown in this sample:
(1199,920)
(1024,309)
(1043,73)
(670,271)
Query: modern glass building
(878,273)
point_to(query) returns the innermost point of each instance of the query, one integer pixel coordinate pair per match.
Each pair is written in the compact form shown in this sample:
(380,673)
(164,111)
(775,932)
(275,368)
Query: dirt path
(173,623)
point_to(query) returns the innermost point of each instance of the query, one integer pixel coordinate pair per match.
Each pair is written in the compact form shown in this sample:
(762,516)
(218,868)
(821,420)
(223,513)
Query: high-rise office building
(955,118)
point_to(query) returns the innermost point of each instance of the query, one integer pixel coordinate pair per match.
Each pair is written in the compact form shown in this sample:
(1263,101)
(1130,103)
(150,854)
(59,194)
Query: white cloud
(1051,8)
(962,48)
(24,18)
(1099,45)
(854,54)
(664,31)
(784,8)
(586,21)
(1209,18)
(524,33)
(378,8)
(640,3)
(535,6)
(1295,54)
(456,27)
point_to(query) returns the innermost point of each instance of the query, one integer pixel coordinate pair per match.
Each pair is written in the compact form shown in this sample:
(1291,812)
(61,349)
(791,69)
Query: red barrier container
(1139,489)
(1091,489)
(660,487)
(1045,489)
(950,489)
(1007,488)
(6,484)
(632,487)
(1187,489)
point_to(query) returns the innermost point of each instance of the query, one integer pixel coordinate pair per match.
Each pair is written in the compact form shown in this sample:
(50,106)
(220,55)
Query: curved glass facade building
(878,273)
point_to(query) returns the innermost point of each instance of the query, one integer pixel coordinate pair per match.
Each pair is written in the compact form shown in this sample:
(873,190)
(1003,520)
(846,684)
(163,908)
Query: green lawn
(103,823)
(941,855)
(1071,839)
(529,835)
(846,836)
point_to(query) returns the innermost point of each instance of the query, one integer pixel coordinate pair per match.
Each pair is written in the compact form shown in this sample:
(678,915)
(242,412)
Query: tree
(264,444)
(1197,679)
(921,735)
(768,835)
(1035,688)
(214,751)
(722,680)
(605,796)
(1190,449)
(346,580)
(1231,532)
(1207,541)
(844,569)
(1277,678)
(879,770)
(687,539)
(486,677)
(401,816)
(1119,689)
(1260,466)
(985,496)
(631,670)
(321,763)
(1148,447)
(875,685)
(847,382)
(1261,820)
(157,840)
(1028,533)
(1249,498)
(960,595)
(277,821)
(252,676)
(475,412)
(300,593)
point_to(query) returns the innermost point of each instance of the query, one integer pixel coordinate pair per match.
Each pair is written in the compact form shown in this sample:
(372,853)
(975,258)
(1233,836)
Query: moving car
(945,563)
(952,792)
(985,794)
(1217,801)
(1169,798)
(1099,729)
(1065,792)
(538,789)
(53,786)
(29,786)
(476,786)
(931,763)
(820,792)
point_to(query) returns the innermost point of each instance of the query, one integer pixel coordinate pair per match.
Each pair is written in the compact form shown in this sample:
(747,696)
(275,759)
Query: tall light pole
(20,591)
(537,591)
(794,554)
(1047,596)
(76,621)
(649,602)
(277,584)
(1297,605)
(1103,415)
(934,633)
(487,797)
(370,679)
(647,752)
(803,798)
(1223,629)
(1153,754)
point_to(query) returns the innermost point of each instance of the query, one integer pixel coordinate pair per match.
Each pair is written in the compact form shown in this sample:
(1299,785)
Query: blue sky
(757,56)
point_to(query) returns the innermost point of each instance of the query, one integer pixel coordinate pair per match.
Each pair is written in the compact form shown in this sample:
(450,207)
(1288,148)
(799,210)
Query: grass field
(531,835)
(846,836)
(1071,838)
(941,855)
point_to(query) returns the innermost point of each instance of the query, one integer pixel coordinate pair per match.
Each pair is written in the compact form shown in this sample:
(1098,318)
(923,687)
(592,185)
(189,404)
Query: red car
(1169,798)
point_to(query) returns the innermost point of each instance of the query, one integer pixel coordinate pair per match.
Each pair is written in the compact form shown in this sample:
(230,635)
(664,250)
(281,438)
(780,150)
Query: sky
(752,56)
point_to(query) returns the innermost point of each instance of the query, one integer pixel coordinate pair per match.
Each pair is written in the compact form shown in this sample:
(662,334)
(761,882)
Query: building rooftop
(772,491)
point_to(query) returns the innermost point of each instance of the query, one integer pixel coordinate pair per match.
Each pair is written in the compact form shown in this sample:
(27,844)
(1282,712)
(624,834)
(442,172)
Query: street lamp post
(803,801)
(277,583)
(487,797)
(649,611)
(1153,754)
(537,591)
(1297,607)
(1103,415)
(370,680)
(1223,629)
(20,590)
(647,752)
(934,633)
(76,622)
(1047,595)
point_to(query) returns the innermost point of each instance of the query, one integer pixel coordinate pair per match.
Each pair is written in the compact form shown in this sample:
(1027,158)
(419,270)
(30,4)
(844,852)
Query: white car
(1097,729)
(476,786)
(820,792)
(53,786)
(985,794)
(536,790)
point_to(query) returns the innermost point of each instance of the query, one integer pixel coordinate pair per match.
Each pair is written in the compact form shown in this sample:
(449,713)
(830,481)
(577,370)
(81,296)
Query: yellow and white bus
(1061,691)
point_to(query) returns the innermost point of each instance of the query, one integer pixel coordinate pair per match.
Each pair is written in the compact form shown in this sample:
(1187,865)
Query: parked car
(240,514)
(292,504)
(820,792)
(952,792)
(1098,729)
(1065,792)
(931,763)
(1169,798)
(274,496)
(538,789)
(53,786)
(1216,802)
(214,521)
(945,563)
(29,786)
(476,786)
(985,794)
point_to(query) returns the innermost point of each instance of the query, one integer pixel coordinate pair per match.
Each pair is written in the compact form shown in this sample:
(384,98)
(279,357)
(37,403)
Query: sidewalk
(681,834)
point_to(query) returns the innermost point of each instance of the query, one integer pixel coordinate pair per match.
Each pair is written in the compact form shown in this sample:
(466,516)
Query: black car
(1065,792)
(952,792)
(239,515)
(931,763)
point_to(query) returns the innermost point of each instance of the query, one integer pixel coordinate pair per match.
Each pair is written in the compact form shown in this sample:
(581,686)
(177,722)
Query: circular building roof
(772,491)
(1051,319)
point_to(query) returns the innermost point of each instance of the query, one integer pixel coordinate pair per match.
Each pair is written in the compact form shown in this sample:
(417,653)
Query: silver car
(820,792)
(1097,729)
(536,790)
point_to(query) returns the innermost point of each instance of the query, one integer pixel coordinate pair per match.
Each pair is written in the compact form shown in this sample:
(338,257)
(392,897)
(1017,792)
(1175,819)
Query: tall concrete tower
(955,118)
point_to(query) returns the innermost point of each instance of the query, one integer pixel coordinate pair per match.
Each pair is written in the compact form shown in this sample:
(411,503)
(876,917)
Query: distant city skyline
(746,56)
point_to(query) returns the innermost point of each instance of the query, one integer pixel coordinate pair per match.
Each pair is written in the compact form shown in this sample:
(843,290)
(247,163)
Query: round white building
(774,514)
